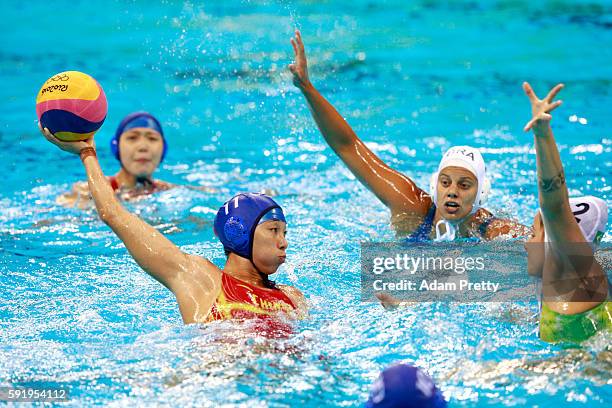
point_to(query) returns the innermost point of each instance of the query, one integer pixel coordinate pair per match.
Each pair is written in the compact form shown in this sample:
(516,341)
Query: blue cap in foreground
(404,386)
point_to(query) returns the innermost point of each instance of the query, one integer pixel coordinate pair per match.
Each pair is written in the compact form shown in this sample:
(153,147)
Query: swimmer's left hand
(70,147)
(541,108)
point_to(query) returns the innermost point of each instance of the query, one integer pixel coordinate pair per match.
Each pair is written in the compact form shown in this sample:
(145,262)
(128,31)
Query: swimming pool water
(412,78)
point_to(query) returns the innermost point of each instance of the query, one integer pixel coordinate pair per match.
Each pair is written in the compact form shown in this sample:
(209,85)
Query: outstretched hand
(541,108)
(299,68)
(70,147)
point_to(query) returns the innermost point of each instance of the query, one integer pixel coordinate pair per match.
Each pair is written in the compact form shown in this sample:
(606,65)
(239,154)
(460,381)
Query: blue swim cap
(134,120)
(237,219)
(404,386)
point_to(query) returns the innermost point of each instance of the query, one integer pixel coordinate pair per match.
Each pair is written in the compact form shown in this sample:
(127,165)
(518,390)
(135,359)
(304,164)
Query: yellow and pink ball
(72,105)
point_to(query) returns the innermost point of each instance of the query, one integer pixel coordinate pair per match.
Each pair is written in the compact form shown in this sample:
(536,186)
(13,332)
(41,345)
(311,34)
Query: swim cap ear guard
(470,159)
(135,120)
(237,219)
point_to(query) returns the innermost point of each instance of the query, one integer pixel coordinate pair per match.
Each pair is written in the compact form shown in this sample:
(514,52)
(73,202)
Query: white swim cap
(469,158)
(591,214)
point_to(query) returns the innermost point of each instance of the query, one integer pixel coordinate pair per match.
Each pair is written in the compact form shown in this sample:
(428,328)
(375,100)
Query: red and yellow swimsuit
(114,183)
(152,188)
(241,300)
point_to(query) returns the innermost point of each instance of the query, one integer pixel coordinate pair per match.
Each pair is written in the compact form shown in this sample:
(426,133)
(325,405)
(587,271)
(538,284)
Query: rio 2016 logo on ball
(72,105)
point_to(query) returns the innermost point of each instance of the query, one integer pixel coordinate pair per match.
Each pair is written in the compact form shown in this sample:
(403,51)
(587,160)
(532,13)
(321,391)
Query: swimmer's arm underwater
(398,192)
(195,281)
(389,302)
(205,189)
(78,197)
(505,228)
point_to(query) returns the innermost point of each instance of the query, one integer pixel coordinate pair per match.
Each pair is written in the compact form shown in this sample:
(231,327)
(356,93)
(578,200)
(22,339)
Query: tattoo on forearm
(552,184)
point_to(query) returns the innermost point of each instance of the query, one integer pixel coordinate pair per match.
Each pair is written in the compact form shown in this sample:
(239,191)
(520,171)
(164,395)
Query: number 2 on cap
(586,207)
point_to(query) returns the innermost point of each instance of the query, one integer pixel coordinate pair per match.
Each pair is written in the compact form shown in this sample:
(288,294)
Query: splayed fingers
(553,92)
(541,108)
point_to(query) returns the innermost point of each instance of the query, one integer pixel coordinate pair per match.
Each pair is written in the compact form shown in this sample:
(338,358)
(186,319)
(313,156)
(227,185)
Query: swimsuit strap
(274,293)
(114,183)
(482,228)
(150,185)
(424,230)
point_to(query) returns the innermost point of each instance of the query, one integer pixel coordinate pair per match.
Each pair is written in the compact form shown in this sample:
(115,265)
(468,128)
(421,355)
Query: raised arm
(398,192)
(195,281)
(552,192)
(572,280)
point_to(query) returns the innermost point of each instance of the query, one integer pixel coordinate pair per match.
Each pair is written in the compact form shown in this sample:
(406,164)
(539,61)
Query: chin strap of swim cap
(470,159)
(237,219)
(449,231)
(135,120)
(591,214)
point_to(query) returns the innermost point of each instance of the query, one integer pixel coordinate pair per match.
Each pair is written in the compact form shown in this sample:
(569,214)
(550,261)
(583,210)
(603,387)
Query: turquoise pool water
(412,78)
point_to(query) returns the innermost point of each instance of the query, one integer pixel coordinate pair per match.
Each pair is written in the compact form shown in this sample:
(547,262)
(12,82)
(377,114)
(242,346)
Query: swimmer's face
(269,246)
(140,151)
(535,251)
(457,190)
